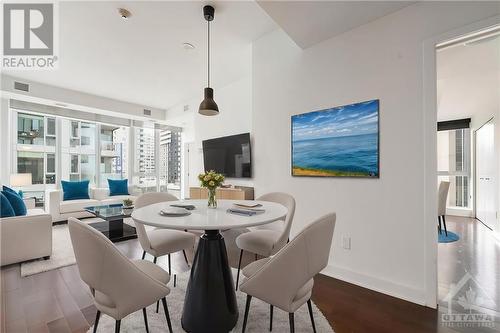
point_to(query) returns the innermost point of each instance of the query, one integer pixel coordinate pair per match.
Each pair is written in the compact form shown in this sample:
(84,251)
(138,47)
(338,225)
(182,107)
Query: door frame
(475,171)
(430,151)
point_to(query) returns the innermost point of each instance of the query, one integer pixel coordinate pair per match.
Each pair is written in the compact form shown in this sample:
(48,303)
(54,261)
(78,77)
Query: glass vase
(212,200)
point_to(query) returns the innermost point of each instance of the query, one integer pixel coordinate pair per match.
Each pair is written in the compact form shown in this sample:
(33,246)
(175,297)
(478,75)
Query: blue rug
(452,237)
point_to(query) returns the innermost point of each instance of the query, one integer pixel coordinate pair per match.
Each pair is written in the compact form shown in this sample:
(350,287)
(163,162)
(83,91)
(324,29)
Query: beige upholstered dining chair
(444,187)
(160,242)
(266,242)
(286,279)
(120,286)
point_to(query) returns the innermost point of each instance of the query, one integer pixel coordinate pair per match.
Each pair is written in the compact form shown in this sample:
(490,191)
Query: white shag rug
(258,316)
(62,253)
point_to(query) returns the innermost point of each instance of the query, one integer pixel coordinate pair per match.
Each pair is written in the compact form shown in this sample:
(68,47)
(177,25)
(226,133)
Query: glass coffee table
(112,227)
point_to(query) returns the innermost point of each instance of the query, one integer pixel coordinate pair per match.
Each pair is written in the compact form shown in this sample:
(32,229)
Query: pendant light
(208,107)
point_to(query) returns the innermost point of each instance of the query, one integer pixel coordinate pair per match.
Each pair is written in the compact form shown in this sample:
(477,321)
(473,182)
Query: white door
(486,194)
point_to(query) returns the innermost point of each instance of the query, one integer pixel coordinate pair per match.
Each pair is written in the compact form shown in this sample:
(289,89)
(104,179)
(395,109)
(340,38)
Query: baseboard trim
(379,285)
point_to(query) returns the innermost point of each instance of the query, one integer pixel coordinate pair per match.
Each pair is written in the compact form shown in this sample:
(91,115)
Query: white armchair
(34,229)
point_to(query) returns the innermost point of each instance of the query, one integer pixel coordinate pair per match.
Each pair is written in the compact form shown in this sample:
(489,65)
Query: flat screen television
(229,155)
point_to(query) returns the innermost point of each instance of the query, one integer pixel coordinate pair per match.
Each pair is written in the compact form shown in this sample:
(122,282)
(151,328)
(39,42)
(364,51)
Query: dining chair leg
(271,316)
(239,267)
(154,260)
(439,224)
(97,316)
(247,307)
(256,257)
(117,326)
(165,308)
(175,280)
(143,255)
(157,306)
(292,322)
(145,319)
(444,225)
(309,305)
(185,257)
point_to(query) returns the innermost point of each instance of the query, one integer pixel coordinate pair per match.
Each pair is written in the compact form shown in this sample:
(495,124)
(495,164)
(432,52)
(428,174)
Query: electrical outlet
(346,242)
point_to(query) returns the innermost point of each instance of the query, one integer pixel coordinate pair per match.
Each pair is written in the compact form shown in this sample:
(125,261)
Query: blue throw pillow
(6,209)
(8,189)
(16,203)
(118,187)
(75,190)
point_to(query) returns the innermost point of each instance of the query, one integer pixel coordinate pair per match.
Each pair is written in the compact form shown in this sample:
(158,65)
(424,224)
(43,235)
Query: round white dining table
(210,302)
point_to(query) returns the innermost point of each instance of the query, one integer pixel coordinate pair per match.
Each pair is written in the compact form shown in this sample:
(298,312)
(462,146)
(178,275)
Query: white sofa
(25,237)
(61,210)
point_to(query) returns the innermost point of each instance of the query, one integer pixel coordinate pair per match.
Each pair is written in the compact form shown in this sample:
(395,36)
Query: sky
(347,120)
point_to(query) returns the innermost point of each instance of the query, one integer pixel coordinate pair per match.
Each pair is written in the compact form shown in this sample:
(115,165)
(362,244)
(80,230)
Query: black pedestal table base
(210,304)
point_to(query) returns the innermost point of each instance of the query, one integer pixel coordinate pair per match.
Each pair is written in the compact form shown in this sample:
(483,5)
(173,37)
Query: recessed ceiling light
(188,46)
(125,14)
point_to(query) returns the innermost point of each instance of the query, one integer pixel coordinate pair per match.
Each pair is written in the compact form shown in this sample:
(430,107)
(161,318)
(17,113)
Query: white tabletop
(204,218)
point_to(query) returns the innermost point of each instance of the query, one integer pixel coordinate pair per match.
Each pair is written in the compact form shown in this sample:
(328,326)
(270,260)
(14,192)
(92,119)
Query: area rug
(258,317)
(452,237)
(62,253)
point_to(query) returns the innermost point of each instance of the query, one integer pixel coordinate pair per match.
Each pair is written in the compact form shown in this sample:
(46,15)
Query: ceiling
(141,60)
(311,22)
(468,77)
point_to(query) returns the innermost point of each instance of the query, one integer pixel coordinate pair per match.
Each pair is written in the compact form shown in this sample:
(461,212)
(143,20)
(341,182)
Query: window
(31,162)
(114,153)
(144,162)
(50,173)
(170,160)
(454,165)
(30,129)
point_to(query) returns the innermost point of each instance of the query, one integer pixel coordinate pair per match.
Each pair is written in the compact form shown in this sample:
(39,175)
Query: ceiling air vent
(21,86)
(147,112)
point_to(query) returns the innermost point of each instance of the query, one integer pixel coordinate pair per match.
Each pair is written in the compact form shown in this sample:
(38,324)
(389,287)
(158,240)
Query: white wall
(384,60)
(235,117)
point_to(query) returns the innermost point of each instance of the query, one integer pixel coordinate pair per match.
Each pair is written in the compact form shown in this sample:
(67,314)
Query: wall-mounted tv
(339,142)
(229,155)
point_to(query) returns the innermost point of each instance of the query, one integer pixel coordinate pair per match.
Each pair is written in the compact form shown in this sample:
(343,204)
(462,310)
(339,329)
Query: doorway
(468,104)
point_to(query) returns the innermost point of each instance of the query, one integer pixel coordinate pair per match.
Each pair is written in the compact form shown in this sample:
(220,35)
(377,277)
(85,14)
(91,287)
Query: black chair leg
(175,280)
(444,225)
(271,316)
(154,260)
(239,267)
(185,257)
(247,307)
(143,255)
(145,319)
(97,316)
(157,306)
(256,257)
(439,224)
(309,305)
(292,322)
(117,326)
(165,308)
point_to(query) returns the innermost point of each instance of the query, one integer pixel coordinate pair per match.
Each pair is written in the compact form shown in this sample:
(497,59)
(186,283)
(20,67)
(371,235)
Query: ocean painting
(337,142)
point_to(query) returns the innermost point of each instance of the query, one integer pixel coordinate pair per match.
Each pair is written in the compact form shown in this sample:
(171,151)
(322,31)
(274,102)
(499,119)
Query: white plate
(174,211)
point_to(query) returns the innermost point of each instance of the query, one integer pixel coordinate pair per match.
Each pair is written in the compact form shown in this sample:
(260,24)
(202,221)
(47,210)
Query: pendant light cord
(208,53)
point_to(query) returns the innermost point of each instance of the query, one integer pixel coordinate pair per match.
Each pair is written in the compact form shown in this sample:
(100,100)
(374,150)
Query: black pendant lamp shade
(208,107)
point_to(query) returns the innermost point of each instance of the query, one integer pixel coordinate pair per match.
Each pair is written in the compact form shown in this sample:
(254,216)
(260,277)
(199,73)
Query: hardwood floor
(59,301)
